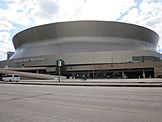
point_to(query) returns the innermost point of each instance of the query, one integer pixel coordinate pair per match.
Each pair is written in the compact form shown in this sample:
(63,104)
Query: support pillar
(123,75)
(143,72)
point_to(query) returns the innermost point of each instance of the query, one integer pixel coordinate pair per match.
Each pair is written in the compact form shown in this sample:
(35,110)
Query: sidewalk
(95,82)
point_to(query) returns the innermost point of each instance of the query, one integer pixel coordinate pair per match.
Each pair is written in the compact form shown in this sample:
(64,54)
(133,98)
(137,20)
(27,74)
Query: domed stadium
(94,48)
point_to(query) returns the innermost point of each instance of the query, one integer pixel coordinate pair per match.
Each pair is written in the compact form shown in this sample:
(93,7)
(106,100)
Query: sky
(17,15)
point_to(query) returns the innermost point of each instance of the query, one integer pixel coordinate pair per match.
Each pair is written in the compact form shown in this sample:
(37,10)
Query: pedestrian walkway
(95,82)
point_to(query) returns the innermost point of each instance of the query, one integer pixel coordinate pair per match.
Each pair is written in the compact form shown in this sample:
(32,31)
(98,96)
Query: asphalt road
(27,103)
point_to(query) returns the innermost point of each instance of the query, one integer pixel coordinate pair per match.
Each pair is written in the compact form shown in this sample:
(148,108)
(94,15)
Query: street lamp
(59,66)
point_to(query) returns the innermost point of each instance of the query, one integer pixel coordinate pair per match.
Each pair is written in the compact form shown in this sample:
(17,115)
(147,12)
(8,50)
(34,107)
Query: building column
(123,75)
(143,72)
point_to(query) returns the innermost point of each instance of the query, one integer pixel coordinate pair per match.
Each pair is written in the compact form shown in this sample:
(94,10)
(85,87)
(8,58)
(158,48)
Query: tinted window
(8,76)
(16,76)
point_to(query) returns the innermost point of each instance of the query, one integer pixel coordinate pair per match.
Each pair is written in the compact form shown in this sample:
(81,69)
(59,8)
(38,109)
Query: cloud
(103,9)
(69,9)
(4,25)
(4,36)
(148,14)
(21,14)
(5,44)
(5,47)
(17,12)
(36,12)
(47,9)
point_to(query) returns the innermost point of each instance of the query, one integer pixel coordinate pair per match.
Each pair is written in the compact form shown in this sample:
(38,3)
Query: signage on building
(29,59)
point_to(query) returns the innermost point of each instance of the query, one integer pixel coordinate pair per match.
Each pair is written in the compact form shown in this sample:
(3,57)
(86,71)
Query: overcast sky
(17,15)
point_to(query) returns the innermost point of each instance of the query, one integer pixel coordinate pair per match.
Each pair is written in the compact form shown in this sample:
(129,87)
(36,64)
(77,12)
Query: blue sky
(17,15)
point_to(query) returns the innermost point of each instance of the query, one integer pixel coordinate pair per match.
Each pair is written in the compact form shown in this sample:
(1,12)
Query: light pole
(59,66)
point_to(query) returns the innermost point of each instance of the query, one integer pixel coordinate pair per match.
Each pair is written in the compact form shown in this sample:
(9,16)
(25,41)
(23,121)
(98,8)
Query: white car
(11,77)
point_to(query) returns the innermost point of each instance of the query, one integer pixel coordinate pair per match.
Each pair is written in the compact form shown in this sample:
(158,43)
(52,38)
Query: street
(41,103)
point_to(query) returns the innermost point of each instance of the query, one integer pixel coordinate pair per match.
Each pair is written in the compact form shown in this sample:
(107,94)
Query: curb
(88,84)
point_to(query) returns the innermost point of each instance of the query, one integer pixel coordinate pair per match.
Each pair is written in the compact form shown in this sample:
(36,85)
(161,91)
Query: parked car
(11,77)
